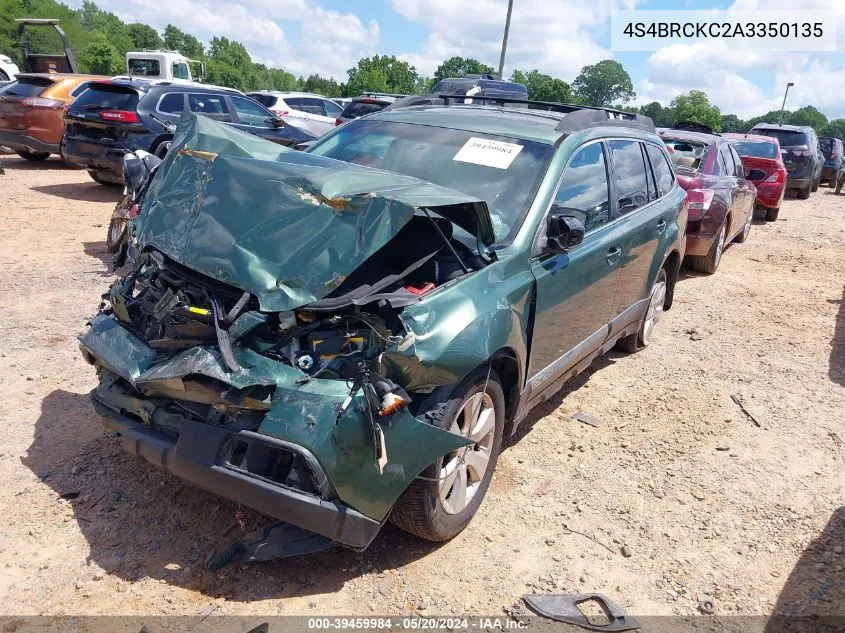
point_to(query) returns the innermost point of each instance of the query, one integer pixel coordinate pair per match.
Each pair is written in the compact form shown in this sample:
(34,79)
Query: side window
(662,171)
(250,113)
(331,108)
(172,103)
(79,89)
(311,106)
(649,176)
(180,71)
(293,103)
(210,105)
(629,175)
(721,167)
(583,192)
(725,153)
(740,168)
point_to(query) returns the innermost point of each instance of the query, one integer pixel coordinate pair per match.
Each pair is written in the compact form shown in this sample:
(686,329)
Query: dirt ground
(677,493)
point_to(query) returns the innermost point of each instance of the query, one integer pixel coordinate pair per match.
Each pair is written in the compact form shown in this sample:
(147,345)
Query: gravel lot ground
(677,494)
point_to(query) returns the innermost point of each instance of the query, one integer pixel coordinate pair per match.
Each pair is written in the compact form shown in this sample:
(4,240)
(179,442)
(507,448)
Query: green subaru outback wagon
(342,336)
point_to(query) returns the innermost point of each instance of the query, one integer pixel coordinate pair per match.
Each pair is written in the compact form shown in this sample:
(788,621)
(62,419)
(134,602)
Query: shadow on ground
(13,161)
(87,192)
(836,369)
(141,522)
(813,596)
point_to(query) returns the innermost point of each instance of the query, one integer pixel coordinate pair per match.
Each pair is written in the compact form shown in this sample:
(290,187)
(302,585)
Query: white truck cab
(8,69)
(160,65)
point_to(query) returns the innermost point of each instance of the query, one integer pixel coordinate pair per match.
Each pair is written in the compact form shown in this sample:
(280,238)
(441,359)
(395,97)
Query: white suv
(8,70)
(306,110)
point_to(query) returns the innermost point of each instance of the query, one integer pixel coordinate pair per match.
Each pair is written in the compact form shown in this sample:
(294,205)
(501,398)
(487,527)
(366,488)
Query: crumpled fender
(481,322)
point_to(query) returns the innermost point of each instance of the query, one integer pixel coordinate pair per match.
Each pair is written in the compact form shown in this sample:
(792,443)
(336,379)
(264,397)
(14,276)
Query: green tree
(732,123)
(222,49)
(543,87)
(836,129)
(661,115)
(695,106)
(176,40)
(381,73)
(423,85)
(144,37)
(808,115)
(604,84)
(101,57)
(460,66)
(326,87)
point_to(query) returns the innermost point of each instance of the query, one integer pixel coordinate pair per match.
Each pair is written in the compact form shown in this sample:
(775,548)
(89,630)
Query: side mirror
(276,122)
(563,232)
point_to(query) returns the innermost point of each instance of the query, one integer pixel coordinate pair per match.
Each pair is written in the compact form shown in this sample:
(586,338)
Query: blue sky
(555,36)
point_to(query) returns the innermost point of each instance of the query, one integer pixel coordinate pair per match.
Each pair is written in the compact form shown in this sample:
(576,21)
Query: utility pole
(505,40)
(783,105)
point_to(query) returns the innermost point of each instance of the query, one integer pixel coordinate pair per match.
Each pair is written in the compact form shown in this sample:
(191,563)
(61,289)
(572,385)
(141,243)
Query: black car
(833,151)
(117,116)
(802,155)
(366,104)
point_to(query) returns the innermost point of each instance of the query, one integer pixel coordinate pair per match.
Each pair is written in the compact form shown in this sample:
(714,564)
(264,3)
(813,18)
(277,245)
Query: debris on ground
(591,611)
(586,418)
(742,408)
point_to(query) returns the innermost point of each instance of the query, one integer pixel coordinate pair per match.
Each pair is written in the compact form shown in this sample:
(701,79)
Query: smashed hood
(287,226)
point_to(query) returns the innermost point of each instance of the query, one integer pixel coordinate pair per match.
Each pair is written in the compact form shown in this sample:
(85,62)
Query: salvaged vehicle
(802,156)
(834,156)
(721,199)
(118,116)
(31,111)
(764,167)
(343,336)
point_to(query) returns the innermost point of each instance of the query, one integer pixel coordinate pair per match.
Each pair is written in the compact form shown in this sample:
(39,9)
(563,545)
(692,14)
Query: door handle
(661,226)
(613,255)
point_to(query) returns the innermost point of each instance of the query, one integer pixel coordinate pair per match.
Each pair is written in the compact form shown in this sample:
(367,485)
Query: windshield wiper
(96,106)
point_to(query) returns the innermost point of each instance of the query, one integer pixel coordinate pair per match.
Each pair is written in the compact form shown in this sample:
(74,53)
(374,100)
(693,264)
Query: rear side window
(360,108)
(311,106)
(730,164)
(106,97)
(144,68)
(663,175)
(583,192)
(172,103)
(80,89)
(29,87)
(208,104)
(739,167)
(331,108)
(629,175)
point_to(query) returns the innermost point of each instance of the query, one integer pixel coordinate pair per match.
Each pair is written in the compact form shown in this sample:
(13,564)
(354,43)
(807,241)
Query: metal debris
(565,608)
(742,408)
(586,418)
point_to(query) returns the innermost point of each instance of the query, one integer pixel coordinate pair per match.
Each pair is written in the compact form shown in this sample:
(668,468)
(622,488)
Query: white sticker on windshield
(481,151)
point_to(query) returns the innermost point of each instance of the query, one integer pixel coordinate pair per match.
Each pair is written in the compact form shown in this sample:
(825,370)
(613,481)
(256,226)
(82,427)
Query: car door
(749,191)
(315,114)
(211,105)
(575,289)
(250,116)
(730,189)
(643,219)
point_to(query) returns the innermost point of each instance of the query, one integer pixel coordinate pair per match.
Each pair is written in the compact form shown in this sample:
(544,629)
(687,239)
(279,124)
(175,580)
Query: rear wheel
(803,194)
(743,235)
(815,186)
(772,214)
(95,176)
(35,156)
(442,503)
(653,314)
(710,262)
(839,184)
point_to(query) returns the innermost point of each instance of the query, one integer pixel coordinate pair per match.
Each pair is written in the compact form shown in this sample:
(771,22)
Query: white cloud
(328,39)
(556,36)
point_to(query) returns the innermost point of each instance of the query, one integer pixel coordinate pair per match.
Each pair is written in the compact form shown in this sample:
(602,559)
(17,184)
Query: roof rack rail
(578,117)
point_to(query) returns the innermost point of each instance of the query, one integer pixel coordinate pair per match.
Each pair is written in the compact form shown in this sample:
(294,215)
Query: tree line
(101,39)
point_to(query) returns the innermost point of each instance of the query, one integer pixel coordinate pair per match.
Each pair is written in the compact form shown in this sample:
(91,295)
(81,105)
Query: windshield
(685,154)
(756,149)
(504,172)
(144,67)
(786,138)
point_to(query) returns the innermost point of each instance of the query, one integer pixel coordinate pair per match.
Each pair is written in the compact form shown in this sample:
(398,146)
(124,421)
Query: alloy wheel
(720,245)
(463,470)
(655,310)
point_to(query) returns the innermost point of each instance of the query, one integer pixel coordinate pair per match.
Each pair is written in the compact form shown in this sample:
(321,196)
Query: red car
(721,200)
(764,167)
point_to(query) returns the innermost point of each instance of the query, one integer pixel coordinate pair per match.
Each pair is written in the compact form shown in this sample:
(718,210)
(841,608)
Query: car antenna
(447,242)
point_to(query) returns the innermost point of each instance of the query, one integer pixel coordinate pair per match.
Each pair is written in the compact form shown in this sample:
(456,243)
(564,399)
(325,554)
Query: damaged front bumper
(303,455)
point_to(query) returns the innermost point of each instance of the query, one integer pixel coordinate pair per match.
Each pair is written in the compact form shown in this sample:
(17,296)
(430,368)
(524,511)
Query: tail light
(40,102)
(777,176)
(802,152)
(699,202)
(121,116)
(280,112)
(338,122)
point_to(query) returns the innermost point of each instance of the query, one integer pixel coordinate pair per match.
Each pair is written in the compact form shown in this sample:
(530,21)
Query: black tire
(117,226)
(839,184)
(772,214)
(710,263)
(815,186)
(102,181)
(803,194)
(420,510)
(34,156)
(635,342)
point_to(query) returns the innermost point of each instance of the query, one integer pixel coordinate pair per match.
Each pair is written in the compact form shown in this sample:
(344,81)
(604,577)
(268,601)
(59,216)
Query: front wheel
(442,501)
(117,227)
